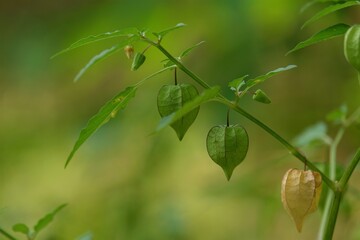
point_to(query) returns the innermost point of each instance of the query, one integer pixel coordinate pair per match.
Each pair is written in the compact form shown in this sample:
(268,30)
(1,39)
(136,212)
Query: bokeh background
(125,183)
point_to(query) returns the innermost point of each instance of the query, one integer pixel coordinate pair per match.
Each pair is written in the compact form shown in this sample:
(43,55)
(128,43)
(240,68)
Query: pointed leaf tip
(328,10)
(106,113)
(227,146)
(126,32)
(47,219)
(325,34)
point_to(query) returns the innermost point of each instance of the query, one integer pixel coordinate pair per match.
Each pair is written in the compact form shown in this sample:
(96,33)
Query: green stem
(330,227)
(236,108)
(3,232)
(175,77)
(285,143)
(332,174)
(228,118)
(349,170)
(331,221)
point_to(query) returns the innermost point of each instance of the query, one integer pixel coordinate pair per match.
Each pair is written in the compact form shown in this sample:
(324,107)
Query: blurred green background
(127,184)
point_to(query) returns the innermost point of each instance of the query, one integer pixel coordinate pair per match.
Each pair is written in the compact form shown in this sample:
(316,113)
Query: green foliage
(238,84)
(186,52)
(127,32)
(338,116)
(325,34)
(21,228)
(313,135)
(190,49)
(330,9)
(241,86)
(48,218)
(162,33)
(105,54)
(255,81)
(107,112)
(227,146)
(171,98)
(206,96)
(39,226)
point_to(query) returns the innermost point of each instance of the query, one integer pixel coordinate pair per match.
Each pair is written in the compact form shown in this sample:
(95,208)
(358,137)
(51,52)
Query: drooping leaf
(352,47)
(171,98)
(187,51)
(107,112)
(313,134)
(43,222)
(227,146)
(261,96)
(126,32)
(330,9)
(338,115)
(205,96)
(300,193)
(325,34)
(238,83)
(22,228)
(104,54)
(252,82)
(161,34)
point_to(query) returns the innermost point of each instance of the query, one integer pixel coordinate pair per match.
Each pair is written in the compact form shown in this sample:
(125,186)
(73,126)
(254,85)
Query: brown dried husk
(300,194)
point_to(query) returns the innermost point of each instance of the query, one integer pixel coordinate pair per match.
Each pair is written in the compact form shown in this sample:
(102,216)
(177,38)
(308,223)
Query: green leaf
(169,63)
(252,82)
(330,9)
(261,96)
(156,73)
(328,33)
(126,32)
(43,222)
(205,96)
(161,34)
(236,84)
(187,51)
(312,135)
(227,146)
(22,228)
(338,115)
(171,98)
(107,112)
(104,54)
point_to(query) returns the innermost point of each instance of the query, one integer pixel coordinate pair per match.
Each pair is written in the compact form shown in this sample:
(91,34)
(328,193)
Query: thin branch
(236,108)
(6,234)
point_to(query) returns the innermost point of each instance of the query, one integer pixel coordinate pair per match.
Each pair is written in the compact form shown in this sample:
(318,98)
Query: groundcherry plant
(227,145)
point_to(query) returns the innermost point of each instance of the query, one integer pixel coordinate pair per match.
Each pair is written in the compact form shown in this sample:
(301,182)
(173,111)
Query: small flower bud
(129,51)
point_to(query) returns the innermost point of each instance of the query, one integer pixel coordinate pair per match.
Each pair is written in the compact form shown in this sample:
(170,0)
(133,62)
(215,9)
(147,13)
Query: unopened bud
(129,51)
